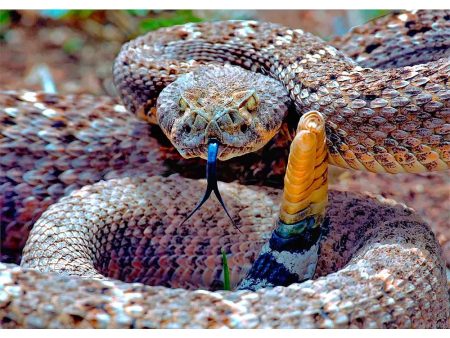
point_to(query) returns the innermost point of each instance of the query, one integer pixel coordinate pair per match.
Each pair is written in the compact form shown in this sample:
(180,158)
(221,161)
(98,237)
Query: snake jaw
(243,110)
(224,153)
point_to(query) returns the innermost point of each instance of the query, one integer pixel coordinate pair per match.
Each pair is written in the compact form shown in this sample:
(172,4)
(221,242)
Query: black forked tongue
(211,179)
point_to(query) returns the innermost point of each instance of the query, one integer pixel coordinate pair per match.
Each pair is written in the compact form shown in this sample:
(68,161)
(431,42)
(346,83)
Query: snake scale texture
(380,266)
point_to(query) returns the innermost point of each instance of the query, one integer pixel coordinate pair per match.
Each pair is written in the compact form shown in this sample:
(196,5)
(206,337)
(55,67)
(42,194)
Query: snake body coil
(379,265)
(391,120)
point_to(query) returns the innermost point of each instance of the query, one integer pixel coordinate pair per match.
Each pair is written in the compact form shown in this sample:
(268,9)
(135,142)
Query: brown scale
(38,171)
(27,191)
(390,41)
(380,266)
(313,71)
(127,248)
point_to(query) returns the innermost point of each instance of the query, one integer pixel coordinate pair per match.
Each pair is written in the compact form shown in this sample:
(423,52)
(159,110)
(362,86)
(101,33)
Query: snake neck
(391,120)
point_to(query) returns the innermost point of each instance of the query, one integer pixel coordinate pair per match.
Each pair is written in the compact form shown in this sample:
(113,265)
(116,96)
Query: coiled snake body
(381,266)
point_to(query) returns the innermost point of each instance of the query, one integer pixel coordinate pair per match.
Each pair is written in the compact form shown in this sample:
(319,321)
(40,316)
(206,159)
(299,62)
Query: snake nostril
(187,129)
(244,128)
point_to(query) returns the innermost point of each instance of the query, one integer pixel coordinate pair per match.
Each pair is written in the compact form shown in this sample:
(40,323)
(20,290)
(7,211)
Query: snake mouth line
(225,151)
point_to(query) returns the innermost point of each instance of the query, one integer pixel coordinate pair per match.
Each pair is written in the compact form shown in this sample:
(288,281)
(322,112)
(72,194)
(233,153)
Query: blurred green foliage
(178,17)
(373,14)
(72,45)
(133,22)
(5,18)
(138,12)
(79,13)
(148,19)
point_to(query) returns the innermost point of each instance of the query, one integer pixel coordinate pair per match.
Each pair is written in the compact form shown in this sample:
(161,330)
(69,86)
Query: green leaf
(5,17)
(177,18)
(226,272)
(79,13)
(375,13)
(137,12)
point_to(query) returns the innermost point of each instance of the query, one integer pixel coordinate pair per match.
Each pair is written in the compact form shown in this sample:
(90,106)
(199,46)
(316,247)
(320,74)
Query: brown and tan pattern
(393,120)
(381,265)
(428,194)
(382,269)
(397,40)
(51,145)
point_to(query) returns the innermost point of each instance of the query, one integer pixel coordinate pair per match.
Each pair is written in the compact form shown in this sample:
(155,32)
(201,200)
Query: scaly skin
(380,265)
(51,145)
(402,39)
(240,109)
(407,243)
(393,120)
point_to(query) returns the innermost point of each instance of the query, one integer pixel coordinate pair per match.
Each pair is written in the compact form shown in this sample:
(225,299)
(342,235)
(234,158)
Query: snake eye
(183,105)
(252,103)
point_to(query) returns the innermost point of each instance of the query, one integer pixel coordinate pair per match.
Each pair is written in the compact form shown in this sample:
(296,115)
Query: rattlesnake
(388,121)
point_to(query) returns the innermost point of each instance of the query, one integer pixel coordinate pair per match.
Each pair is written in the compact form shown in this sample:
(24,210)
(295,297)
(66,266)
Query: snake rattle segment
(116,239)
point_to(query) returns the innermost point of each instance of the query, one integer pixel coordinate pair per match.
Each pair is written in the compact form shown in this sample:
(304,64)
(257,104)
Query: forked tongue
(211,179)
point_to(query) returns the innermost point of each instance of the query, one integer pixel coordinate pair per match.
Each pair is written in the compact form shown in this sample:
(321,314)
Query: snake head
(240,109)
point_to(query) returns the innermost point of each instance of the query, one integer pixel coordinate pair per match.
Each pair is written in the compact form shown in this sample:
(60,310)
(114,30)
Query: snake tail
(292,252)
